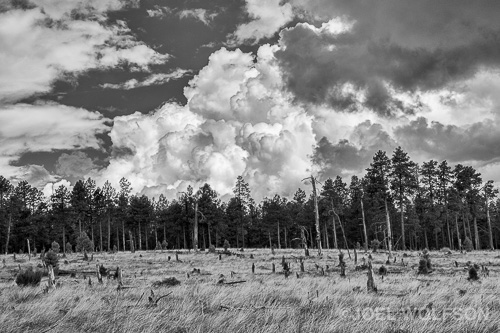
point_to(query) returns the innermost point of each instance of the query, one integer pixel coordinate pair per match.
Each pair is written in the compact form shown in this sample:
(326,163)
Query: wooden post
(302,266)
(253,268)
(274,268)
(355,257)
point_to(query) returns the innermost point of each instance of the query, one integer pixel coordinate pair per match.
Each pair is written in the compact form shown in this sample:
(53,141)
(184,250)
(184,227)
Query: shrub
(382,270)
(422,266)
(69,248)
(358,246)
(226,245)
(473,274)
(169,282)
(375,245)
(21,251)
(158,246)
(468,244)
(55,247)
(164,244)
(29,277)
(115,248)
(211,248)
(83,243)
(51,258)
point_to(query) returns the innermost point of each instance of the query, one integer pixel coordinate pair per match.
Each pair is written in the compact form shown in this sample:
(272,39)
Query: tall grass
(266,302)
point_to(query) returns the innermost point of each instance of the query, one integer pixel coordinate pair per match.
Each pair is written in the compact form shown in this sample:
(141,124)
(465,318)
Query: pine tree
(377,177)
(403,184)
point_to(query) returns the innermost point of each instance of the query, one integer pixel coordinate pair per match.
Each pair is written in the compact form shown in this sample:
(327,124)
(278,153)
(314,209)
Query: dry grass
(266,302)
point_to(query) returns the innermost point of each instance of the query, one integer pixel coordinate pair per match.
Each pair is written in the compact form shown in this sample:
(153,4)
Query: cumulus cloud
(44,41)
(266,17)
(238,121)
(151,80)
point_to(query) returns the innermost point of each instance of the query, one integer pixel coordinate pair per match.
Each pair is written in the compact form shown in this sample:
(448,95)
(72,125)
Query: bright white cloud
(267,16)
(34,52)
(47,127)
(238,121)
(200,14)
(153,79)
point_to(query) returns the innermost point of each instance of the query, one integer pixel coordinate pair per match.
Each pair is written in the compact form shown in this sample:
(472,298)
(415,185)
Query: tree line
(398,204)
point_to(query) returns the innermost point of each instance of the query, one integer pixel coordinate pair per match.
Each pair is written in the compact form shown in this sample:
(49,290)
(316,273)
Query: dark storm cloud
(411,45)
(478,141)
(347,157)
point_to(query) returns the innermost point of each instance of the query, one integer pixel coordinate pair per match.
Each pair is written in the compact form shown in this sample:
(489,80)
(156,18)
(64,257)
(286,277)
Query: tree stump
(98,273)
(253,268)
(370,284)
(52,279)
(274,268)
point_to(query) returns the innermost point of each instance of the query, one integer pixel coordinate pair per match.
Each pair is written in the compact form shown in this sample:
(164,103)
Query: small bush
(473,274)
(226,245)
(115,248)
(211,248)
(83,243)
(69,248)
(158,246)
(422,266)
(55,247)
(29,277)
(164,244)
(51,258)
(382,270)
(375,244)
(358,246)
(468,245)
(169,282)
(21,251)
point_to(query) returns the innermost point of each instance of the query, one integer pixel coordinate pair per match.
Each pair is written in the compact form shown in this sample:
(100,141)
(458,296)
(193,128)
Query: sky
(175,93)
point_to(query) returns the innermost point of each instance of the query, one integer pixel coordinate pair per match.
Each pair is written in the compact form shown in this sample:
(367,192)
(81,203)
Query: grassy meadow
(317,300)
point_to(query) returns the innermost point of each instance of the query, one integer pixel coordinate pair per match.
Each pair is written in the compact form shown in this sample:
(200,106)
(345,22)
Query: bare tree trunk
(449,232)
(316,215)
(403,239)
(327,241)
(109,231)
(195,231)
(209,227)
(64,239)
(476,234)
(389,233)
(490,231)
(279,239)
(270,241)
(118,239)
(100,234)
(364,225)
(123,235)
(140,240)
(286,240)
(458,233)
(335,243)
